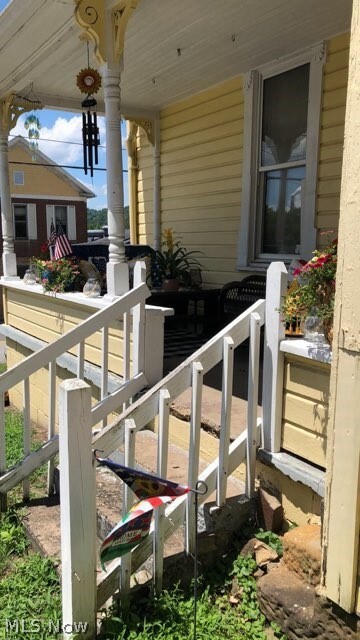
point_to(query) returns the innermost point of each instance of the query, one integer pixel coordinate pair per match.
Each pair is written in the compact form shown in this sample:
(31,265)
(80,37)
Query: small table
(204,304)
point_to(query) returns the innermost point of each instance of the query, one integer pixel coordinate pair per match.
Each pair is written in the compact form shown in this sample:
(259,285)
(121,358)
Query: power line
(101,146)
(63,166)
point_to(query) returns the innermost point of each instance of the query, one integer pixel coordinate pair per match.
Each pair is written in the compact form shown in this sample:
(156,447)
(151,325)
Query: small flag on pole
(144,485)
(135,525)
(131,530)
(62,244)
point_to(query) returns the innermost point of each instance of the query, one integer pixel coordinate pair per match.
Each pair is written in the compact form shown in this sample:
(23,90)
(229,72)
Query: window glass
(18,177)
(20,222)
(284,120)
(61,217)
(282,210)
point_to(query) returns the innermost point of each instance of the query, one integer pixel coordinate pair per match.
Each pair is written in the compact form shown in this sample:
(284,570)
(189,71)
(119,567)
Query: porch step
(42,519)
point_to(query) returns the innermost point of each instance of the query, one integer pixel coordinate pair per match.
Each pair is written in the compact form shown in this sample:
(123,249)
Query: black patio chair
(238,295)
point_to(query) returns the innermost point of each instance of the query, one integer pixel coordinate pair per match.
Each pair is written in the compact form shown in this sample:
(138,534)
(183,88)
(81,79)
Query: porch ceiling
(172,49)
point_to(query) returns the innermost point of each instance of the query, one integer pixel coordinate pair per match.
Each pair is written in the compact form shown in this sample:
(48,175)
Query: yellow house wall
(332,135)
(38,180)
(201,167)
(305,408)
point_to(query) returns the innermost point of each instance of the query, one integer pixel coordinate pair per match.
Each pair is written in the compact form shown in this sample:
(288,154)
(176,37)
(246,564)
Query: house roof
(19,141)
(172,49)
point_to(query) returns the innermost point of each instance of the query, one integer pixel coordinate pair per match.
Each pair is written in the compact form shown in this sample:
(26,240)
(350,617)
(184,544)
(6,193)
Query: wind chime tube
(90,142)
(84,142)
(96,135)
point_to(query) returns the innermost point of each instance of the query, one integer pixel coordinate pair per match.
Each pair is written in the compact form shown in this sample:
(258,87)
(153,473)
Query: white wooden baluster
(162,463)
(51,423)
(253,393)
(273,376)
(3,496)
(194,451)
(77,507)
(128,500)
(126,351)
(139,322)
(26,433)
(81,358)
(226,401)
(104,365)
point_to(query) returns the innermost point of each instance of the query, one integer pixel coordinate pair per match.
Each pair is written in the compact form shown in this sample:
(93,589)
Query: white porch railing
(78,510)
(132,303)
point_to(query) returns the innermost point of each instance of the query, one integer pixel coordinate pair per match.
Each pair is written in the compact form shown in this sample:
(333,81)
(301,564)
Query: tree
(97,218)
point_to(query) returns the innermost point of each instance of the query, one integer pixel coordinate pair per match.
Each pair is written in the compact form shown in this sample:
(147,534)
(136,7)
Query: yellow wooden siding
(38,180)
(201,169)
(332,134)
(145,189)
(305,408)
(39,316)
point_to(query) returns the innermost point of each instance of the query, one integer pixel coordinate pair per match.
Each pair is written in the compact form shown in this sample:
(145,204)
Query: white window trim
(316,56)
(18,184)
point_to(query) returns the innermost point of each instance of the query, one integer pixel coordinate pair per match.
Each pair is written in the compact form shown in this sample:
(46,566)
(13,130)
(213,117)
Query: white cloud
(62,131)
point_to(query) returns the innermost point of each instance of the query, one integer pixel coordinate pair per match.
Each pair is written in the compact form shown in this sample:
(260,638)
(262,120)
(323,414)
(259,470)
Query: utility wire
(101,146)
(63,166)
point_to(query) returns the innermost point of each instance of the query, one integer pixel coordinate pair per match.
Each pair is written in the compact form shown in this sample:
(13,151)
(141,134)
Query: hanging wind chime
(89,82)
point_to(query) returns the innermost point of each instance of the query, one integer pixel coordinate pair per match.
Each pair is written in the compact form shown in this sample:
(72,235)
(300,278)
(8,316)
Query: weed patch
(227,609)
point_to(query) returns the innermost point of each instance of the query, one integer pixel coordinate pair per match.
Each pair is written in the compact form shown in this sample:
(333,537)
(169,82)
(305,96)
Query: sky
(65,128)
(61,140)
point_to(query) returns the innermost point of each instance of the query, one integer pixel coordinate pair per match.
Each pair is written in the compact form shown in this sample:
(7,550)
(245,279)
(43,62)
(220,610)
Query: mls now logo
(19,625)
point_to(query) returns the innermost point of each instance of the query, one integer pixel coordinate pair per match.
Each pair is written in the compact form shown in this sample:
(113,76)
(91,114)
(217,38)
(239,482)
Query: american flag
(52,236)
(62,244)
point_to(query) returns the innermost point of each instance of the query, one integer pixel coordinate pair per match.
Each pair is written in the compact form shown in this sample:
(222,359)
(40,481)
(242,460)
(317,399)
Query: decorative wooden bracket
(91,16)
(146,125)
(11,108)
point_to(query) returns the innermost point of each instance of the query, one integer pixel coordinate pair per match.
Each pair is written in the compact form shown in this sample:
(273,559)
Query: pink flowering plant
(313,288)
(56,276)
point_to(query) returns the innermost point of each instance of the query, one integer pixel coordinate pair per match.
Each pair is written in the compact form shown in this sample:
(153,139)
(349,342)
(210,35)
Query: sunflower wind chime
(89,82)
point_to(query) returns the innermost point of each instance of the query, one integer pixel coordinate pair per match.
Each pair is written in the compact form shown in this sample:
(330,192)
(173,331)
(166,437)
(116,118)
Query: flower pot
(314,329)
(170,284)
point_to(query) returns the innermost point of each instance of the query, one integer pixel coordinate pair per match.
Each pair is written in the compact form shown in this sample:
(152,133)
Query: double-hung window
(281,129)
(25,221)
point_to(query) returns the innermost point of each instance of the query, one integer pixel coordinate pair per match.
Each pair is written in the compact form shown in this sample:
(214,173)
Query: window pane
(282,210)
(20,221)
(284,124)
(18,177)
(61,217)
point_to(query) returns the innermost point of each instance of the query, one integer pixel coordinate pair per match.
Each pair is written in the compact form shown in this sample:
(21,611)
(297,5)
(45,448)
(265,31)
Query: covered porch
(190,81)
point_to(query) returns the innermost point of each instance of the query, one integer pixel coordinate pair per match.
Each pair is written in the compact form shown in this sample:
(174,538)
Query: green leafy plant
(271,539)
(173,261)
(313,288)
(56,276)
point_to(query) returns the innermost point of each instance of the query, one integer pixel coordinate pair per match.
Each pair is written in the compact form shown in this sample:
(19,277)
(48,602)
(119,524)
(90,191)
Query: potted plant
(56,276)
(171,265)
(312,293)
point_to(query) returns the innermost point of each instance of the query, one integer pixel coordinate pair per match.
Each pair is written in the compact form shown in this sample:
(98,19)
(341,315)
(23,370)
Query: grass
(29,586)
(30,595)
(227,609)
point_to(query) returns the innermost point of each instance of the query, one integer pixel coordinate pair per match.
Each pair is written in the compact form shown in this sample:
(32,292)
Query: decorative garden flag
(135,525)
(144,485)
(62,244)
(131,530)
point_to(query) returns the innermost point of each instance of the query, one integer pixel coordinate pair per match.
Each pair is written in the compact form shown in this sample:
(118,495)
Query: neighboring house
(41,194)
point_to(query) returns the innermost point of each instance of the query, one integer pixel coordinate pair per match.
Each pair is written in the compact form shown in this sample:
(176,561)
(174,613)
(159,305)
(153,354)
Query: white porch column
(156,185)
(7,225)
(117,269)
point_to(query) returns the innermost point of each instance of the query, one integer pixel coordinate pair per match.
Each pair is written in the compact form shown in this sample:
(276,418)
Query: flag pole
(201,489)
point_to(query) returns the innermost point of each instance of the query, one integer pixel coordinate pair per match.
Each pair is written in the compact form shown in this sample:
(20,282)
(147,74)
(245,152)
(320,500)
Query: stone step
(300,612)
(302,552)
